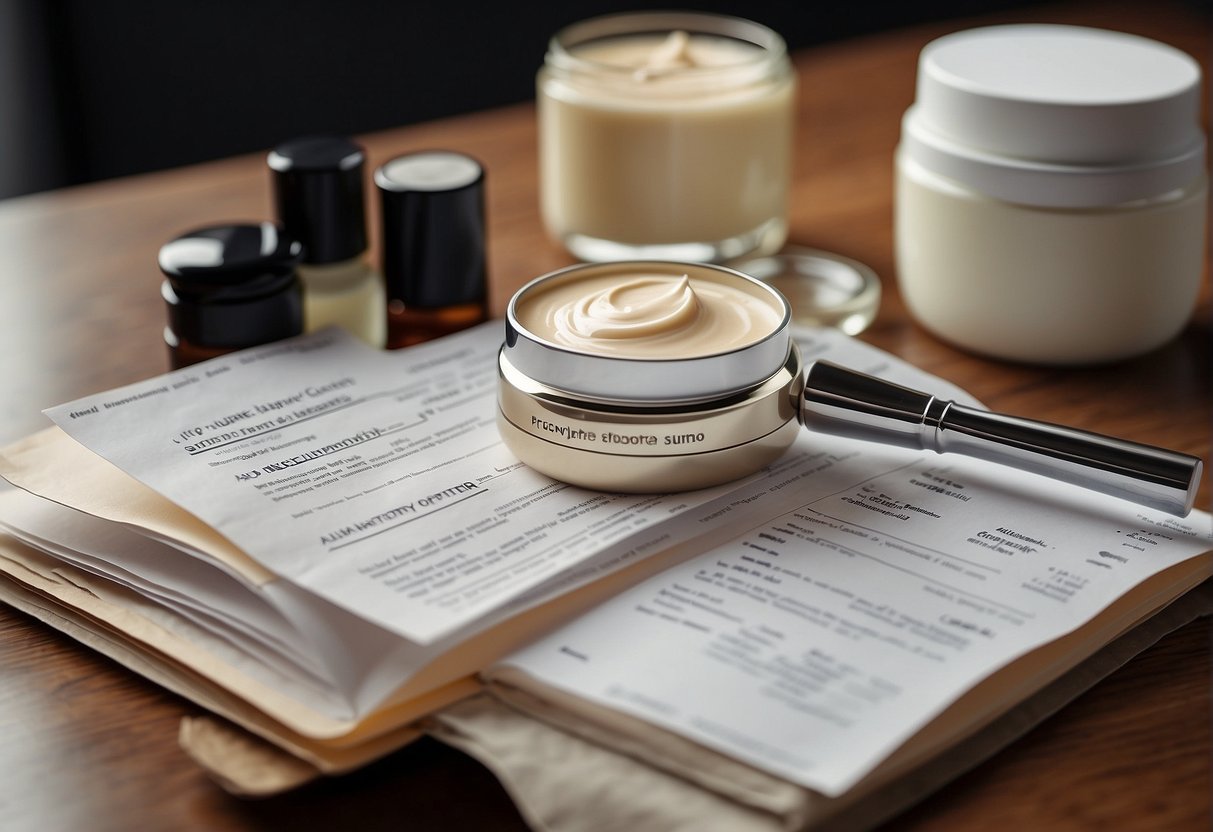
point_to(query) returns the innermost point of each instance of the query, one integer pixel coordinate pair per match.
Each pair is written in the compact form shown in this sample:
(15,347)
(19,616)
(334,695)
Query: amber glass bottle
(433,245)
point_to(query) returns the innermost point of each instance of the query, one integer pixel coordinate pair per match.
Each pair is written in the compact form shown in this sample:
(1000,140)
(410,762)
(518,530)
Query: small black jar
(229,287)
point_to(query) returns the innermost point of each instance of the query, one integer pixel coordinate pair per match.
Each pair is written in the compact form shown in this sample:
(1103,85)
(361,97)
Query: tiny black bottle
(433,245)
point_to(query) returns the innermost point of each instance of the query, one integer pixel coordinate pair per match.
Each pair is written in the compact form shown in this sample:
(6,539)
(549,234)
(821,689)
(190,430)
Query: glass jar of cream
(665,135)
(1051,193)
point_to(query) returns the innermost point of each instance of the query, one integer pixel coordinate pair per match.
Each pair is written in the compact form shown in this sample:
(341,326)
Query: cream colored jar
(665,135)
(1051,193)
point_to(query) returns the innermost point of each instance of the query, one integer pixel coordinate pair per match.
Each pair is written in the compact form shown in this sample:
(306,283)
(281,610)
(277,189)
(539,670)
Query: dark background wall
(92,89)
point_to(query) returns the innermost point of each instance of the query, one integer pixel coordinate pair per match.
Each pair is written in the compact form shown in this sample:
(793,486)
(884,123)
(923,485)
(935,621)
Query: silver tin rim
(642,380)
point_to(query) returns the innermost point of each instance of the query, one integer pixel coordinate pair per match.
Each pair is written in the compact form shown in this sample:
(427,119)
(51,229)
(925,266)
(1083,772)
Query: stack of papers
(324,544)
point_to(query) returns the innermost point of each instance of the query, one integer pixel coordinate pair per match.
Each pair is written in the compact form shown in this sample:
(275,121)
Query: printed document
(816,643)
(377,480)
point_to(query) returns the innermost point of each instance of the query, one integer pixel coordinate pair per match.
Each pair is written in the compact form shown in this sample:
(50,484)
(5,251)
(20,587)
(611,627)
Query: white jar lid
(1057,115)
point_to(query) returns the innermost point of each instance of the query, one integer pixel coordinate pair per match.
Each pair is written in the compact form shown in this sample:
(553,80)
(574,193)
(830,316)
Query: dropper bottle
(319,199)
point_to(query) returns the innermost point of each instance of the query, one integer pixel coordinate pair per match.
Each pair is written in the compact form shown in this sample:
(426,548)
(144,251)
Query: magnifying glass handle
(847,403)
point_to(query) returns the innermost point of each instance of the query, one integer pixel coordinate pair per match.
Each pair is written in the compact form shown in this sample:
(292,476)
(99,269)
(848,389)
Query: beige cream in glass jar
(665,135)
(1051,193)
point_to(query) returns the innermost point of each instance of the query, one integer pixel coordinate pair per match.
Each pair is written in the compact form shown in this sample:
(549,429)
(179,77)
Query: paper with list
(377,483)
(816,643)
(377,480)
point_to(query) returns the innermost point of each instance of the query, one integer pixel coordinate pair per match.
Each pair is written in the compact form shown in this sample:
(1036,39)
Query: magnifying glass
(657,376)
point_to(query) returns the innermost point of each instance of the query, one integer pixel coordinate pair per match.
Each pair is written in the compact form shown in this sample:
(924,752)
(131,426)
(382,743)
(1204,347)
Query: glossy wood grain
(85,744)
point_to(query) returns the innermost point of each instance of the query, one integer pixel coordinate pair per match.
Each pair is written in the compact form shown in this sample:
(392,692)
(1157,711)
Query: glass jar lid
(823,288)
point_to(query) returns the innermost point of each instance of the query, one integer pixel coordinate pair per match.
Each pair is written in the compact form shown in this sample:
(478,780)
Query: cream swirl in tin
(647,375)
(649,315)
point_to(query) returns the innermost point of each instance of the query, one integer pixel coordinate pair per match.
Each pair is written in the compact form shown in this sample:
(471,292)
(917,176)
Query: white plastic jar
(1051,193)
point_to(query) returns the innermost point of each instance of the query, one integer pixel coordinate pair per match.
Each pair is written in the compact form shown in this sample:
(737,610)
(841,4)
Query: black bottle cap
(318,194)
(433,229)
(233,285)
(229,255)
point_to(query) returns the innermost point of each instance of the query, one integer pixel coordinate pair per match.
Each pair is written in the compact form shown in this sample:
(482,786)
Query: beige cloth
(240,762)
(562,783)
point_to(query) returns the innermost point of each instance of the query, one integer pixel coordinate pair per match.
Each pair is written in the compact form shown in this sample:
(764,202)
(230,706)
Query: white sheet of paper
(814,644)
(376,480)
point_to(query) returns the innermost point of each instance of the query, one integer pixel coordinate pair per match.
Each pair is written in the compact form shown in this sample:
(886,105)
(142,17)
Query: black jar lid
(229,255)
(432,205)
(319,196)
(233,285)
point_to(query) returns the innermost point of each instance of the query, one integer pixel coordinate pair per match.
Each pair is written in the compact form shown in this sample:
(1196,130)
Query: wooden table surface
(86,744)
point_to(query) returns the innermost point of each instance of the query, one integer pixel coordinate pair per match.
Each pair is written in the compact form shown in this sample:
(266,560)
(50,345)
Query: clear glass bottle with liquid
(320,199)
